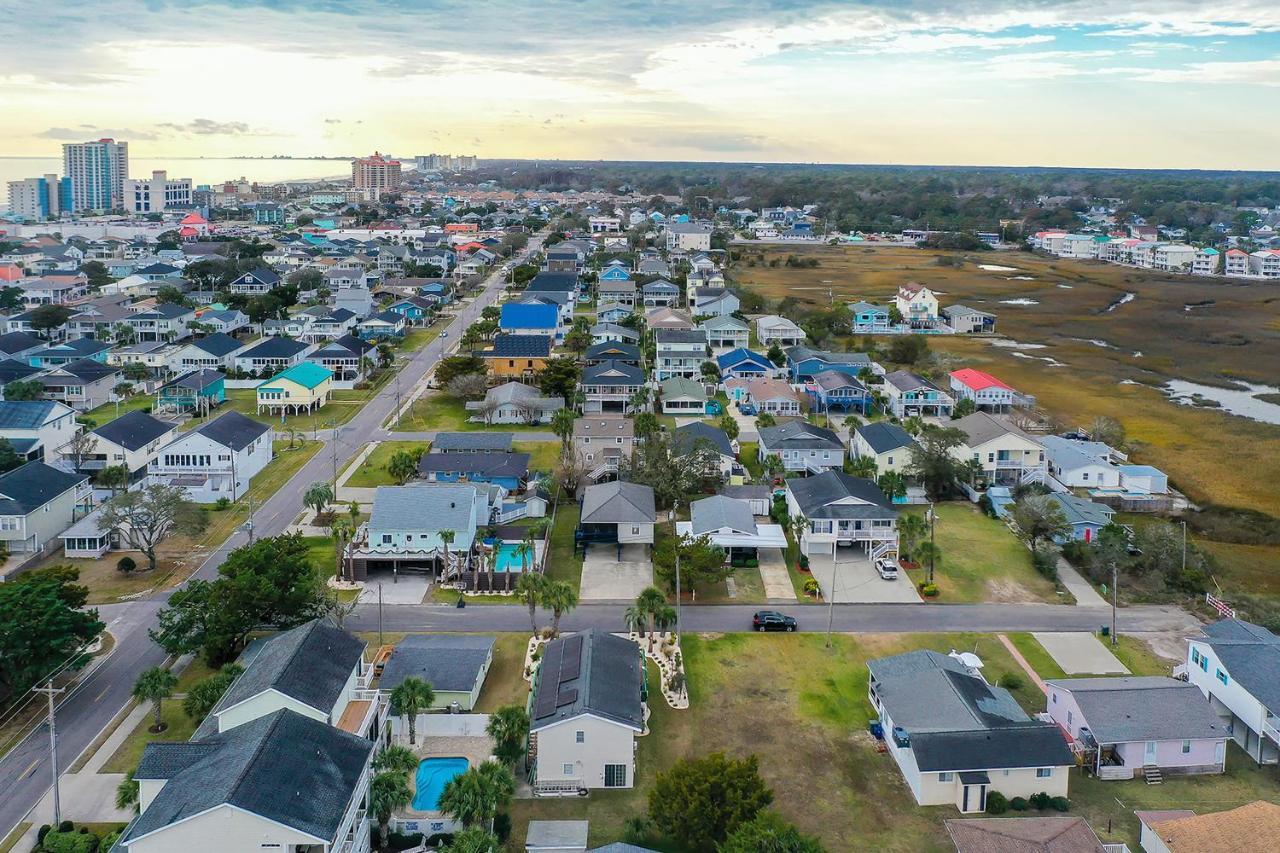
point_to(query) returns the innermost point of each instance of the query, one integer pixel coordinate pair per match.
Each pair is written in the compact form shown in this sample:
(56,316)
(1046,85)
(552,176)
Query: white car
(888,569)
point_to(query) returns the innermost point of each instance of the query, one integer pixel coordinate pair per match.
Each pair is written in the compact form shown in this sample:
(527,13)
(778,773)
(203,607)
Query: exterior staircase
(1032,475)
(882,549)
(1152,774)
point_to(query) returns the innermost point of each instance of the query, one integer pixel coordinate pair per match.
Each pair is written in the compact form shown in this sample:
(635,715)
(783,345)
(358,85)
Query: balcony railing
(1269,729)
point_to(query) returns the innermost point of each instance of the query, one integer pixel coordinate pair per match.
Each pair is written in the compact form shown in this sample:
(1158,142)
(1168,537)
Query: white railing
(1271,731)
(1225,610)
(1116,847)
(559,788)
(520,511)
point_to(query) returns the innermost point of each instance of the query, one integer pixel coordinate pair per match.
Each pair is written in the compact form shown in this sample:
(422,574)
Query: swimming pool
(433,775)
(507,560)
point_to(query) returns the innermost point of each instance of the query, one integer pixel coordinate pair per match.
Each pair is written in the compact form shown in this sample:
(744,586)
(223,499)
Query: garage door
(827,548)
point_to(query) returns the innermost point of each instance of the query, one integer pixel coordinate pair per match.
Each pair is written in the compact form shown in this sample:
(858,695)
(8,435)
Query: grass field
(180,728)
(983,561)
(105,414)
(435,411)
(373,471)
(1131,651)
(244,401)
(543,455)
(562,562)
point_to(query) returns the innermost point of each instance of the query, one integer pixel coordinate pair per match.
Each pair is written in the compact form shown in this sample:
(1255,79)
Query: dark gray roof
(820,496)
(589,673)
(799,435)
(618,502)
(196,379)
(1031,744)
(519,346)
(748,492)
(830,380)
(468,442)
(448,662)
(686,437)
(274,347)
(905,380)
(217,344)
(285,767)
(12,370)
(1251,655)
(25,414)
(612,373)
(486,463)
(717,512)
(19,342)
(89,370)
(553,281)
(1142,708)
(803,353)
(234,430)
(134,430)
(310,663)
(29,487)
(557,835)
(680,336)
(884,436)
(621,847)
(619,350)
(911,663)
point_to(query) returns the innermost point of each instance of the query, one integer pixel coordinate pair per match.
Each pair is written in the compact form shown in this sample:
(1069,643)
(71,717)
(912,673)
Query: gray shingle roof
(1030,744)
(820,496)
(1129,709)
(717,512)
(425,506)
(798,435)
(29,487)
(234,430)
(1251,655)
(284,767)
(592,672)
(217,344)
(487,463)
(612,373)
(468,442)
(981,427)
(25,414)
(884,436)
(19,342)
(448,662)
(606,350)
(686,437)
(134,430)
(905,380)
(274,347)
(618,502)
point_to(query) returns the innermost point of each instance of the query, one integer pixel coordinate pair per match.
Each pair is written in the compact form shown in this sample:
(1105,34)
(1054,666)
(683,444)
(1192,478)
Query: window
(1068,718)
(1186,747)
(615,775)
(1054,698)
(890,460)
(1204,663)
(1222,676)
(635,531)
(1044,772)
(1195,655)
(567,769)
(945,777)
(386,539)
(580,736)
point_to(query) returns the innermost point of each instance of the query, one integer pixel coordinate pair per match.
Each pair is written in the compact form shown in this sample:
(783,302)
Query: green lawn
(180,728)
(748,455)
(982,561)
(109,412)
(1131,651)
(373,471)
(562,562)
(195,672)
(418,338)
(244,401)
(543,455)
(435,411)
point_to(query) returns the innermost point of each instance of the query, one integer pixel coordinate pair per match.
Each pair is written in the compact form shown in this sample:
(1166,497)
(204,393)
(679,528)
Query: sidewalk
(1022,662)
(1085,594)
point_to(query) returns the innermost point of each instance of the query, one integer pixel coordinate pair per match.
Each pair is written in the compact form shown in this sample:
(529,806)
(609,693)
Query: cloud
(1262,72)
(84,132)
(719,142)
(209,127)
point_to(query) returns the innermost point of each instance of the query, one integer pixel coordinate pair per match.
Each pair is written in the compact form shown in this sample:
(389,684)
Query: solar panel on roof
(567,696)
(571,660)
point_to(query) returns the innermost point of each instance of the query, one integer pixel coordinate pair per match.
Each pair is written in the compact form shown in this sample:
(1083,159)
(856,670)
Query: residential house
(198,392)
(83,385)
(455,665)
(416,310)
(831,389)
(1236,664)
(16,371)
(531,319)
(1207,261)
(956,738)
(987,393)
(653,265)
(223,321)
(1184,831)
(321,324)
(612,332)
(514,403)
(1080,464)
(69,351)
(271,355)
(667,318)
(660,294)
(586,711)
(612,312)
(917,304)
(509,470)
(742,363)
(403,531)
(36,429)
(726,331)
(842,511)
(772,329)
(37,503)
(1139,726)
(609,386)
(804,363)
(20,345)
(1025,835)
(1236,263)
(1006,454)
(966,320)
(53,289)
(869,319)
(1085,517)
(565,282)
(714,301)
(301,388)
(212,352)
(690,436)
(217,459)
(382,326)
(166,322)
(602,443)
(688,237)
(887,443)
(679,352)
(256,282)
(348,358)
(618,512)
(911,395)
(802,446)
(132,440)
(730,524)
(472,442)
(357,300)
(517,356)
(616,291)
(682,396)
(612,351)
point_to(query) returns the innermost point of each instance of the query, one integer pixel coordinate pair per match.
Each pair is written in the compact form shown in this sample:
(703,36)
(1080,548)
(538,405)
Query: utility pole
(379,614)
(932,539)
(51,691)
(250,519)
(1115,580)
(334,445)
(831,599)
(1184,547)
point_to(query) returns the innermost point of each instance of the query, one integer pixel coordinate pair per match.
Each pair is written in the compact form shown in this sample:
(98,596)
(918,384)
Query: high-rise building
(445,163)
(97,171)
(375,175)
(157,193)
(40,198)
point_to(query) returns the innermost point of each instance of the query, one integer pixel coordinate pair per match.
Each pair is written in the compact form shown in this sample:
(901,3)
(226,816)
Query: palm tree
(863,466)
(930,553)
(529,589)
(645,424)
(893,484)
(526,552)
(560,598)
(155,685)
(636,619)
(914,425)
(639,399)
(446,539)
(474,840)
(562,425)
(396,759)
(318,495)
(127,793)
(475,797)
(649,602)
(911,528)
(799,524)
(388,792)
(664,618)
(340,531)
(411,697)
(402,466)
(509,728)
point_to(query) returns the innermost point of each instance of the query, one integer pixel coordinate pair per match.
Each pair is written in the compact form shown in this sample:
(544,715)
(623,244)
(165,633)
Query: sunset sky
(1134,83)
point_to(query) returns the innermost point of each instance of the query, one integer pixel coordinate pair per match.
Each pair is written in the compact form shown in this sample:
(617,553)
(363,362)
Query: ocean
(201,170)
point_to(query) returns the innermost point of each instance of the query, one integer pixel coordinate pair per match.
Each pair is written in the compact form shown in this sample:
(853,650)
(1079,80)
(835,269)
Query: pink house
(1139,726)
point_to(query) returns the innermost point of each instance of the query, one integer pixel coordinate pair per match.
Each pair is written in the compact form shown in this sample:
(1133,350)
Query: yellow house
(519,357)
(302,388)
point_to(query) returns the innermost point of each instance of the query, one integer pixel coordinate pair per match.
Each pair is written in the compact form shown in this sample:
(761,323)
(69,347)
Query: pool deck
(475,749)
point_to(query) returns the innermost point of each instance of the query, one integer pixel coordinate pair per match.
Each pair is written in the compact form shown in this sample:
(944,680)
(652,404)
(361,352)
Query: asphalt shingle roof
(25,414)
(884,436)
(798,435)
(485,463)
(19,342)
(716,512)
(425,506)
(821,496)
(447,662)
(274,347)
(520,346)
(1251,655)
(134,430)
(686,437)
(618,502)
(1138,708)
(605,681)
(234,430)
(612,373)
(29,487)
(217,344)
(469,442)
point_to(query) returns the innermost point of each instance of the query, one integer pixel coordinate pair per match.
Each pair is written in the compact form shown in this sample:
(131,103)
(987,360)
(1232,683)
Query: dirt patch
(1005,591)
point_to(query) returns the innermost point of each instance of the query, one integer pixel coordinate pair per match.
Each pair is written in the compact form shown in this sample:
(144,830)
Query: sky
(1125,83)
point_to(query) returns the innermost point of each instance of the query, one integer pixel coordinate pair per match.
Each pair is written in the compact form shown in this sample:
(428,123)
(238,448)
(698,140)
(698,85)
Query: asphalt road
(25,772)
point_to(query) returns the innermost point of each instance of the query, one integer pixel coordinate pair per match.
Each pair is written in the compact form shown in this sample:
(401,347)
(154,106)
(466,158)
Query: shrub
(400,841)
(43,831)
(1045,561)
(1010,681)
(69,841)
(751,563)
(66,826)
(811,586)
(125,565)
(987,507)
(1076,552)
(502,826)
(1060,804)
(929,590)
(1018,804)
(804,562)
(222,503)
(996,803)
(1040,801)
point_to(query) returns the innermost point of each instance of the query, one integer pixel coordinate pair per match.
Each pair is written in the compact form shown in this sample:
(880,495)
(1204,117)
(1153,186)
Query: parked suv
(887,568)
(772,620)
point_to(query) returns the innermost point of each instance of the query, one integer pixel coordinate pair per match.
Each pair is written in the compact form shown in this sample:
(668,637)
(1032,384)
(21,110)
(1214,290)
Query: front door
(1149,756)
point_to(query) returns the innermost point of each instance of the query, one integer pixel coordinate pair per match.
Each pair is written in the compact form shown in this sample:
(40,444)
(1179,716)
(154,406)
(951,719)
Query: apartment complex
(97,171)
(157,193)
(40,198)
(375,175)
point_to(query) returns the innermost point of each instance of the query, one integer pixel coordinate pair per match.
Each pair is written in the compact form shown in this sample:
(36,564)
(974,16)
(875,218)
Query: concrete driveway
(403,588)
(605,577)
(857,582)
(1080,654)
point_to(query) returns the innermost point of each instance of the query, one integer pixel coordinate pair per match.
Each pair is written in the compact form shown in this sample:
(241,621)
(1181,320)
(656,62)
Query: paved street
(24,772)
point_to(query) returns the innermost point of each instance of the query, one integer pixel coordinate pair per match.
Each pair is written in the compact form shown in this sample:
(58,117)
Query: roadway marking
(103,693)
(31,768)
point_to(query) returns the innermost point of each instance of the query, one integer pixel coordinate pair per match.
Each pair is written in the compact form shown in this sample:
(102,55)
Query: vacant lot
(373,471)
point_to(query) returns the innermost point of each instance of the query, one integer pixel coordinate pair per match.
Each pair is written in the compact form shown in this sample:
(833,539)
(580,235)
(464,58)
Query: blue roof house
(1085,517)
(744,364)
(615,272)
(531,319)
(805,363)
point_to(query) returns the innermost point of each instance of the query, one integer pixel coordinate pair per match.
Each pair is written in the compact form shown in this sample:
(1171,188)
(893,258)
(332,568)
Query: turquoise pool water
(507,560)
(433,775)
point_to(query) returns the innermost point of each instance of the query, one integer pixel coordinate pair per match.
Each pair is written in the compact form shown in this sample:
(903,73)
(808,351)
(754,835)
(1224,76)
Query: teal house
(200,390)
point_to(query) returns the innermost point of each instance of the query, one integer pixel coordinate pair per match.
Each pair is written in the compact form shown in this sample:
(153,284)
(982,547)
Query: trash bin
(1106,630)
(462,602)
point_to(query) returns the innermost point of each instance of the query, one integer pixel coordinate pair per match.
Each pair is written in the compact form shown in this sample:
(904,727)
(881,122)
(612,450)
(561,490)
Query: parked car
(772,620)
(887,568)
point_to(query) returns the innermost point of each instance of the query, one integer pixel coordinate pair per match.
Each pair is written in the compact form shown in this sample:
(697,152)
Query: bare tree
(145,517)
(570,473)
(468,386)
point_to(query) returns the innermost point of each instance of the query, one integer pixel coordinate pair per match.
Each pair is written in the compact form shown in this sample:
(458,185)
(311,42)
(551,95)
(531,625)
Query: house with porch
(911,395)
(716,301)
(37,503)
(1080,464)
(36,429)
(659,293)
(988,393)
(773,396)
(956,738)
(843,511)
(744,364)
(509,470)
(520,357)
(917,304)
(455,665)
(612,332)
(586,709)
(802,446)
(602,442)
(416,310)
(730,524)
(200,391)
(772,329)
(531,319)
(271,355)
(66,352)
(382,326)
(869,319)
(165,322)
(133,440)
(617,292)
(667,318)
(1006,454)
(682,396)
(612,351)
(348,358)
(804,363)
(212,352)
(214,460)
(83,385)
(1139,726)
(300,389)
(610,385)
(969,321)
(1085,517)
(256,282)
(887,443)
(514,403)
(617,512)
(726,331)
(1236,665)
(831,389)
(689,437)
(223,321)
(403,531)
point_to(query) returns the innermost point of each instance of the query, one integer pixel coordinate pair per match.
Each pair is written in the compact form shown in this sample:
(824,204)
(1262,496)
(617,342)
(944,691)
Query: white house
(209,353)
(887,443)
(726,331)
(1207,261)
(802,446)
(679,352)
(132,440)
(1237,665)
(38,502)
(688,237)
(917,305)
(772,329)
(910,394)
(215,460)
(36,429)
(1080,464)
(586,713)
(987,392)
(842,511)
(1006,454)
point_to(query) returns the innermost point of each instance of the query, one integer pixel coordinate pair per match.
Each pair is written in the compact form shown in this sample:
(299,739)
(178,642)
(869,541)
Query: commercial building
(40,198)
(157,193)
(97,171)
